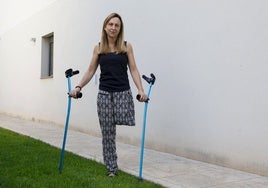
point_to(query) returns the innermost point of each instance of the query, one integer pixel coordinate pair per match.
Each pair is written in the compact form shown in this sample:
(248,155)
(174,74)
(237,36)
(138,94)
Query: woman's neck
(112,44)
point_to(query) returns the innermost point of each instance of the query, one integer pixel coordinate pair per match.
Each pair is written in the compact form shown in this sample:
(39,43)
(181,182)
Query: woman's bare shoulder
(96,49)
(129,47)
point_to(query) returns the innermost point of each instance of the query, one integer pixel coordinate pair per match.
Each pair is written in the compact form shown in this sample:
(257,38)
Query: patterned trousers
(114,108)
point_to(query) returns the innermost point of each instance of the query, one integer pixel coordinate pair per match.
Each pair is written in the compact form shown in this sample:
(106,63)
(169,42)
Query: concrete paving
(162,168)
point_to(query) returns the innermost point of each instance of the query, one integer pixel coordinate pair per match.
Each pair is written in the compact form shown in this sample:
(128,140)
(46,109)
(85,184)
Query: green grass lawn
(26,162)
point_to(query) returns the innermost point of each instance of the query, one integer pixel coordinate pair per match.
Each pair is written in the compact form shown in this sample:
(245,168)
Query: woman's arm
(135,73)
(88,74)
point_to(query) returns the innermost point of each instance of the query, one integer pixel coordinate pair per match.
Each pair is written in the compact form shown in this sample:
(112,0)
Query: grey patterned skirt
(116,107)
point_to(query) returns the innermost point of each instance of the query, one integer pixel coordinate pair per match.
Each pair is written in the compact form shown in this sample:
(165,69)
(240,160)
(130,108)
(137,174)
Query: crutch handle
(151,81)
(139,96)
(79,95)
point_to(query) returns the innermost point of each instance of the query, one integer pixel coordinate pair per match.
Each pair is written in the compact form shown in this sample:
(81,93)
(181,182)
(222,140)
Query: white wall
(210,58)
(12,12)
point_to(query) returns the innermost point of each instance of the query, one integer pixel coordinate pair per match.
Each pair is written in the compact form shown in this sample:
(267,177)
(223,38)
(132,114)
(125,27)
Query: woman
(115,101)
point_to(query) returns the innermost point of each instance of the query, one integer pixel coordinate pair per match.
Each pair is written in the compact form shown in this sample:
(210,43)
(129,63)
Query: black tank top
(113,77)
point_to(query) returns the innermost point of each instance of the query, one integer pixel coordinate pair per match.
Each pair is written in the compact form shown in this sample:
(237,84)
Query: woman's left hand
(143,97)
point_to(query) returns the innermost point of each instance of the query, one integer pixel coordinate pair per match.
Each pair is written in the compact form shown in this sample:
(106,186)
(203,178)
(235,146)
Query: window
(47,56)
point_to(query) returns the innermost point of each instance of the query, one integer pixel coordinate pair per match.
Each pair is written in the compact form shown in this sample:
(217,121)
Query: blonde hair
(120,44)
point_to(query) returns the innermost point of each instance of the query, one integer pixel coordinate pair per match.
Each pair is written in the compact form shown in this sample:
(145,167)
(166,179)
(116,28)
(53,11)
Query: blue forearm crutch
(151,82)
(68,73)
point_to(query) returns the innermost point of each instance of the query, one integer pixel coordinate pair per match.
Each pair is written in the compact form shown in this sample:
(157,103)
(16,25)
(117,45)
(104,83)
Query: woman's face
(113,27)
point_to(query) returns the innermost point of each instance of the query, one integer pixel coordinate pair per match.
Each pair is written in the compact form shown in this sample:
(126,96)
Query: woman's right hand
(74,93)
